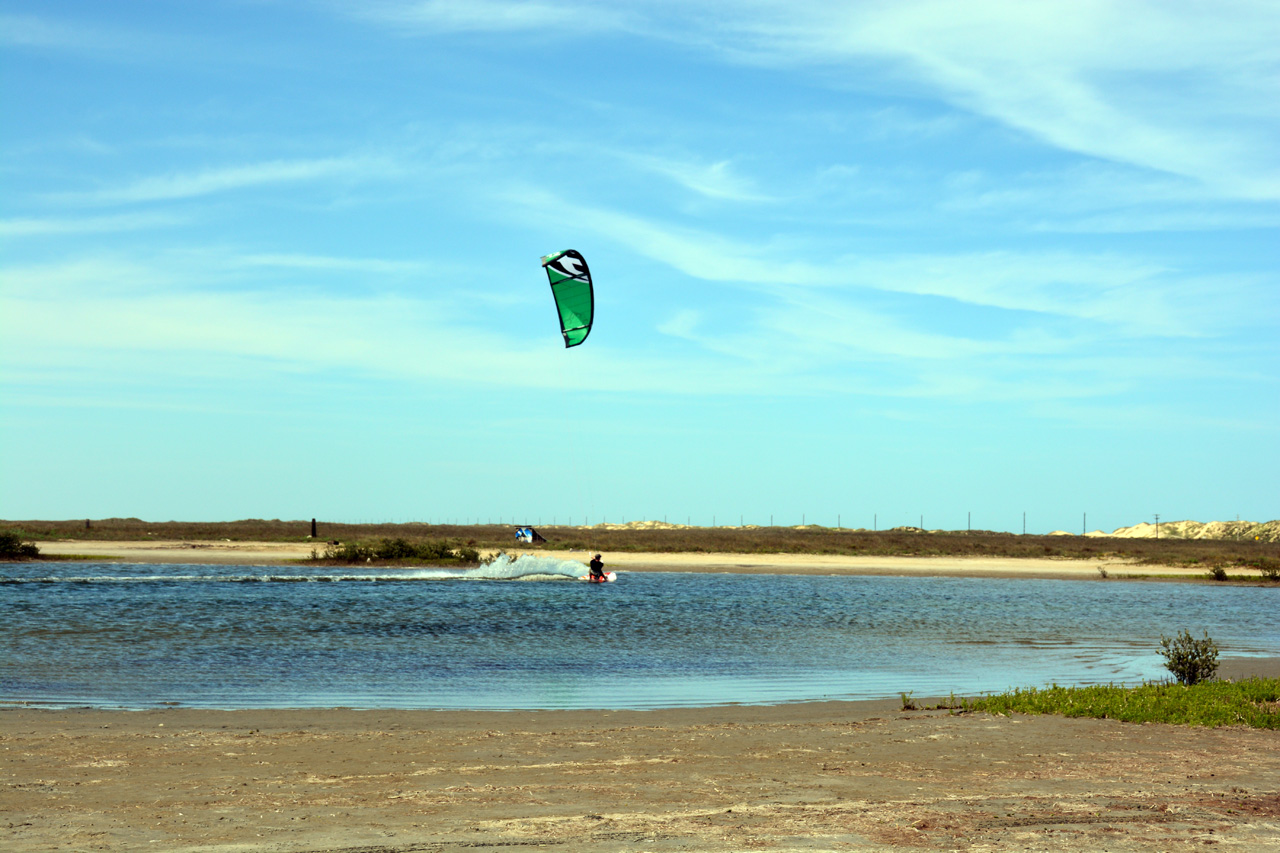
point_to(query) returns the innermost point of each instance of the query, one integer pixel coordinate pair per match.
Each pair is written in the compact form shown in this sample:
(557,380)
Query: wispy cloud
(472,16)
(1130,294)
(811,330)
(327,263)
(1108,78)
(31,31)
(717,180)
(62,226)
(101,37)
(181,185)
(1111,79)
(118,316)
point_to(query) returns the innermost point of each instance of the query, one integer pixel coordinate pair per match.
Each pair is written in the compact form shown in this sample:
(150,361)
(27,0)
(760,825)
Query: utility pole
(1157,526)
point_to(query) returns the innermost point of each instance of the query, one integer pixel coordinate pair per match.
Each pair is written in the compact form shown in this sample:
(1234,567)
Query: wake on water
(503,567)
(524,567)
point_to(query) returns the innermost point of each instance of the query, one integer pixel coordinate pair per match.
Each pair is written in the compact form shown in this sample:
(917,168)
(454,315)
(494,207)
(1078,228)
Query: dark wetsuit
(597,570)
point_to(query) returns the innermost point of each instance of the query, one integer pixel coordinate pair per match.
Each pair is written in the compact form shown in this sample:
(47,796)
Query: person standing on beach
(597,570)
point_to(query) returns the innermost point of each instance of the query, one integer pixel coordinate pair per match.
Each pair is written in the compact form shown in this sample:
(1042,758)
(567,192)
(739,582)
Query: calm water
(116,635)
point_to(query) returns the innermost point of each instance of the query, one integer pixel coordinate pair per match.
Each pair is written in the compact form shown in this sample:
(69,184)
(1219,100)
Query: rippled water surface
(526,636)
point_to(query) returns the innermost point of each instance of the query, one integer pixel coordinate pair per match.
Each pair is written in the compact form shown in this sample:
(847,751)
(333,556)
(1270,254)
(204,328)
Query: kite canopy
(571,286)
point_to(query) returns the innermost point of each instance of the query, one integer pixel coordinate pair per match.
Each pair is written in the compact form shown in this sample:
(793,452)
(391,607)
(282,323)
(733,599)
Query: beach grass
(1253,702)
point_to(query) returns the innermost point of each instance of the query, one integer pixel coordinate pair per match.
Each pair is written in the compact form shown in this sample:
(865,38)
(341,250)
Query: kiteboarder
(597,570)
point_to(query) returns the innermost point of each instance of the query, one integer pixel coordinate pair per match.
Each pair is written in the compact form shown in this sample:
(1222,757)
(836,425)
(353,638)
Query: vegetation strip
(1253,702)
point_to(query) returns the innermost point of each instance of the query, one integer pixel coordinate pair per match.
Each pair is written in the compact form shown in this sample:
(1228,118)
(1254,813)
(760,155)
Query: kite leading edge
(571,286)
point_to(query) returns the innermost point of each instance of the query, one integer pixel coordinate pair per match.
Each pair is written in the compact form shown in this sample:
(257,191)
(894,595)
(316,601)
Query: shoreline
(284,553)
(1230,668)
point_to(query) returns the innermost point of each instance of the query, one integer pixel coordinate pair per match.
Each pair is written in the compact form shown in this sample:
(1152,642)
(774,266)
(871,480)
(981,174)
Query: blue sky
(855,263)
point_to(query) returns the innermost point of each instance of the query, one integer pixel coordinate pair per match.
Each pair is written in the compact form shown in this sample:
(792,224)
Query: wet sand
(269,553)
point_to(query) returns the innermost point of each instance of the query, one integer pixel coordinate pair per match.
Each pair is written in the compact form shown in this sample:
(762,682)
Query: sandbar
(276,553)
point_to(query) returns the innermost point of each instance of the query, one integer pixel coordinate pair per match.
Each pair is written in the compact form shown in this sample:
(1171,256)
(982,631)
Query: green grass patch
(1251,702)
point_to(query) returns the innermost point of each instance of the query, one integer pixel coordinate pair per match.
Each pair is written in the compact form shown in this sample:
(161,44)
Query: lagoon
(527,637)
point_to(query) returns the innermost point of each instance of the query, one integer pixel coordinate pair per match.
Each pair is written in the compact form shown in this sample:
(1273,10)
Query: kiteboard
(608,578)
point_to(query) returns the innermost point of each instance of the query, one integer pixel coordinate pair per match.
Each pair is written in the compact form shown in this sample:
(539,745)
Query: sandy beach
(861,776)
(268,553)
(849,776)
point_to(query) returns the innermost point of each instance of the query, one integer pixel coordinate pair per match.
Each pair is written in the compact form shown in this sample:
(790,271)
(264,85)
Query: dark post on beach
(313,528)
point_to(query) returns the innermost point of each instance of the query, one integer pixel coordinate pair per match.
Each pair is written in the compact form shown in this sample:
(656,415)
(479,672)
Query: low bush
(1269,567)
(13,548)
(1190,660)
(431,551)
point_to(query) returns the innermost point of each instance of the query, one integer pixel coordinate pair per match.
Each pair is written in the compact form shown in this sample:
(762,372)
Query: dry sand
(268,553)
(854,776)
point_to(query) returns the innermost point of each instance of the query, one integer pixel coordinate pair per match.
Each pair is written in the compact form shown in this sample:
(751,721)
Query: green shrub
(349,552)
(402,550)
(434,549)
(13,548)
(394,549)
(1190,660)
(1270,568)
(1218,573)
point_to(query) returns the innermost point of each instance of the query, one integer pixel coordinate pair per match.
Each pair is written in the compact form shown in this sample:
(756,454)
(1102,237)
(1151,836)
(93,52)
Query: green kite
(575,300)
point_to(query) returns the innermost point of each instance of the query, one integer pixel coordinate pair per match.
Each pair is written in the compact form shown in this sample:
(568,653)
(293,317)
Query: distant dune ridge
(1265,531)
